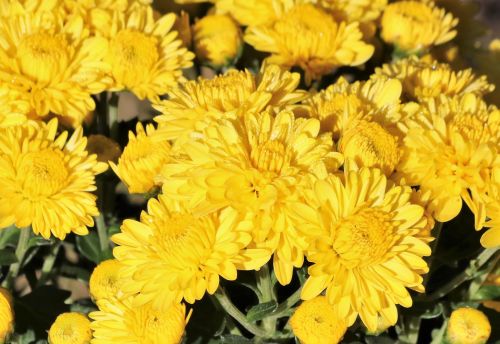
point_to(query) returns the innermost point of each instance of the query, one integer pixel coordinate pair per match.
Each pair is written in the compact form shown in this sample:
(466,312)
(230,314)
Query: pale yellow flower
(70,328)
(104,282)
(468,326)
(414,26)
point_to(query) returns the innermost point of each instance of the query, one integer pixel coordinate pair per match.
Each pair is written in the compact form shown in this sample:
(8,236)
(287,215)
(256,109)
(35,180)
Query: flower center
(158,326)
(42,56)
(132,55)
(43,173)
(271,156)
(370,145)
(364,238)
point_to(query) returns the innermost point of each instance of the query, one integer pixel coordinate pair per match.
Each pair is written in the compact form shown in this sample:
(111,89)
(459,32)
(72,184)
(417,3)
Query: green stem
(22,246)
(465,276)
(284,307)
(102,232)
(234,312)
(265,285)
(48,263)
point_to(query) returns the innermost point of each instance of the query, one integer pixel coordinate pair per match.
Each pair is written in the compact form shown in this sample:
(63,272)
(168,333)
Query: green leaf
(438,335)
(90,248)
(7,256)
(261,310)
(233,339)
(9,237)
(434,312)
(39,309)
(487,292)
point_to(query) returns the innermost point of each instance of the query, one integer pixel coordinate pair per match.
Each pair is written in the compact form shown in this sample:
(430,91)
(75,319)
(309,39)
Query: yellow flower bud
(417,25)
(104,281)
(468,326)
(71,328)
(6,314)
(217,40)
(316,321)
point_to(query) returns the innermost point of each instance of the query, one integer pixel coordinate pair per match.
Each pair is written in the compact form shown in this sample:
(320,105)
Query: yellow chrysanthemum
(342,103)
(254,165)
(491,238)
(186,253)
(13,108)
(145,55)
(468,326)
(422,79)
(350,11)
(364,246)
(121,322)
(142,159)
(317,322)
(70,328)
(104,283)
(6,315)
(47,181)
(194,104)
(249,12)
(417,25)
(52,63)
(308,37)
(9,8)
(451,150)
(217,40)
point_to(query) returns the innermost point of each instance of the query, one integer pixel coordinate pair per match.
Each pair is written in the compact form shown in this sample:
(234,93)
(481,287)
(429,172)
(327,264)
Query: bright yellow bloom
(104,282)
(350,11)
(494,45)
(250,12)
(468,326)
(316,321)
(9,8)
(254,165)
(194,104)
(145,55)
(414,26)
(365,249)
(491,238)
(52,63)
(120,322)
(70,328)
(451,150)
(47,181)
(6,314)
(142,159)
(186,253)
(342,103)
(13,108)
(217,40)
(422,79)
(310,38)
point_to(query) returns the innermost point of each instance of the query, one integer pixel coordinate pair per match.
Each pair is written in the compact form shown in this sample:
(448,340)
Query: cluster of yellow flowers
(251,168)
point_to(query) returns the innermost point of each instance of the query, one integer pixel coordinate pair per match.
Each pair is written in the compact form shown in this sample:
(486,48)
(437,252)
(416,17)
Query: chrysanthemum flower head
(194,104)
(417,25)
(52,63)
(450,150)
(71,328)
(120,321)
(142,159)
(250,12)
(468,326)
(144,54)
(491,238)
(10,8)
(6,314)
(422,79)
(364,246)
(47,181)
(217,40)
(104,283)
(342,103)
(308,37)
(317,321)
(13,108)
(253,164)
(186,253)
